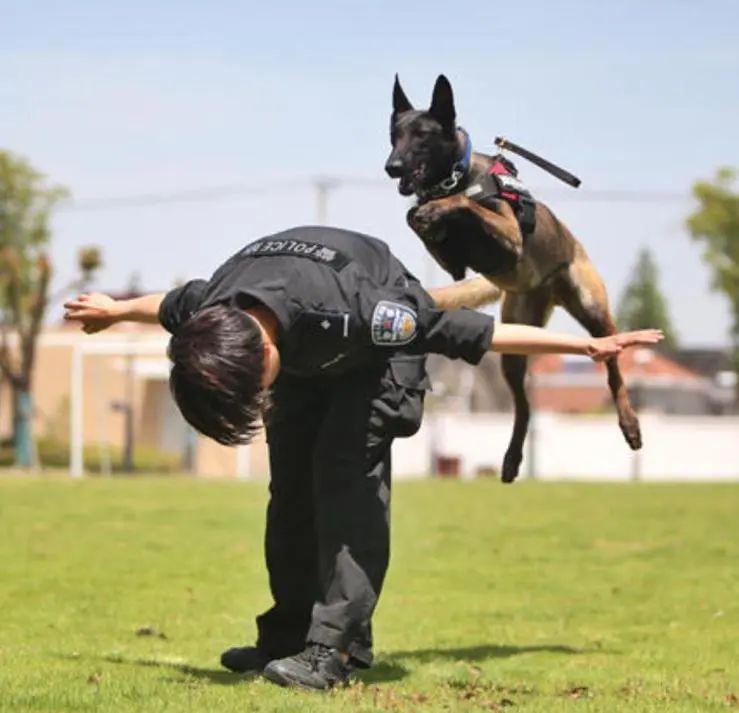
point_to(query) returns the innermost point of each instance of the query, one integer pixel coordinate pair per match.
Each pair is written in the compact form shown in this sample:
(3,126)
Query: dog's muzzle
(394,168)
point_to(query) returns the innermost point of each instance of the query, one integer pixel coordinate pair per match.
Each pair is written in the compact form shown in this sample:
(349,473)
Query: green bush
(54,453)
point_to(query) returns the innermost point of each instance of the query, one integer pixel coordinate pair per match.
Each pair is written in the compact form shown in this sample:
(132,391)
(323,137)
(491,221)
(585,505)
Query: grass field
(539,597)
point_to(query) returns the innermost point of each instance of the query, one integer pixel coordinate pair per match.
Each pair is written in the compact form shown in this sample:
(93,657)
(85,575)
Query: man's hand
(96,311)
(603,348)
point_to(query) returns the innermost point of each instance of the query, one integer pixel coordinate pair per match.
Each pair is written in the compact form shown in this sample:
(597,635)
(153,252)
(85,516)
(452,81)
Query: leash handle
(548,166)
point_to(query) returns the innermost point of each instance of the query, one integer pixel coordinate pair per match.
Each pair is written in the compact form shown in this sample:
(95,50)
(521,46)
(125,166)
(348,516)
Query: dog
(469,214)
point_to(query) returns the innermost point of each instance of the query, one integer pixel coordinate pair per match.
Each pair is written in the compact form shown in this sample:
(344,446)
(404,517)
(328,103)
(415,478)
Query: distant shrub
(54,453)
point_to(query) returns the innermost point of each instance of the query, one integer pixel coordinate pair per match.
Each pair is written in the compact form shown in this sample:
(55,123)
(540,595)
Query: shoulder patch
(393,324)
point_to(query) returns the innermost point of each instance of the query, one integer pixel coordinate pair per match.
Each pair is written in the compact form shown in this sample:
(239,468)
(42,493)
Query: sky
(240,105)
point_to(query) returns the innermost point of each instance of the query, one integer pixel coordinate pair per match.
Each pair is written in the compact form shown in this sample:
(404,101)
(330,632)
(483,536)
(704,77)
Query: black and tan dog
(470,214)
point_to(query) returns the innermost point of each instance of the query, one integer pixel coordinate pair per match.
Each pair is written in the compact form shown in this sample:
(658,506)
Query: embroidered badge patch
(393,324)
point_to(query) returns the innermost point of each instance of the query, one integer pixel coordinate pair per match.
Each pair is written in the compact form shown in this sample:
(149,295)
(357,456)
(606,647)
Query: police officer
(324,332)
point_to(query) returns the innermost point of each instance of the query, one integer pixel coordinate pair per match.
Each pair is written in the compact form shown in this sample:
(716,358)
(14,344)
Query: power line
(324,184)
(190,195)
(615,196)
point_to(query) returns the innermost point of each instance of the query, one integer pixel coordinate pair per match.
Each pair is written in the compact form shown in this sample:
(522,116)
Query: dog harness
(501,181)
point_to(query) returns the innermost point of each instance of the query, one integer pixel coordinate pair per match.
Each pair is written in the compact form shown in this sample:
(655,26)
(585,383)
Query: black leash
(548,166)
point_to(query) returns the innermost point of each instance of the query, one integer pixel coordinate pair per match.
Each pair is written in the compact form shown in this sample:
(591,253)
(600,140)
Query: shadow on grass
(389,666)
(213,675)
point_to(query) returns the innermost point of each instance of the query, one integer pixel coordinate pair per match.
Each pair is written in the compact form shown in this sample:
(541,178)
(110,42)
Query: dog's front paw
(430,231)
(429,213)
(417,223)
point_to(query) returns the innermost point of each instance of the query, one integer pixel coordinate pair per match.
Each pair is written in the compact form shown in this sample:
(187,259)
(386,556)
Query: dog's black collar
(453,182)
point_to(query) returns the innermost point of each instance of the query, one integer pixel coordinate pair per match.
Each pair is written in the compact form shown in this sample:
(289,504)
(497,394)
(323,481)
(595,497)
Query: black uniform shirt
(342,300)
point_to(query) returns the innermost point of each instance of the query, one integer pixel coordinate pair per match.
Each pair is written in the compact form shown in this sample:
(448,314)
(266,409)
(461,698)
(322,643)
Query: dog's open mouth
(406,185)
(410,182)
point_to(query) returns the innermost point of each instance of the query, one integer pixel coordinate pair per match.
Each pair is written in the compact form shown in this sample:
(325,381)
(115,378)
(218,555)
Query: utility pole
(125,407)
(533,435)
(637,400)
(641,357)
(323,186)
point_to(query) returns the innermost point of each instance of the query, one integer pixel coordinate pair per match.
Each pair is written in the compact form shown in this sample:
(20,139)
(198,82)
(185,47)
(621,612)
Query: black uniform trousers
(328,530)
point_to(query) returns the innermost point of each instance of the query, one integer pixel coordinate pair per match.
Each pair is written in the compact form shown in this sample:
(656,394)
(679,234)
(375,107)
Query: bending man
(327,331)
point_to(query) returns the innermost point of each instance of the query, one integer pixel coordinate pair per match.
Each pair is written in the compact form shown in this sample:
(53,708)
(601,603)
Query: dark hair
(217,363)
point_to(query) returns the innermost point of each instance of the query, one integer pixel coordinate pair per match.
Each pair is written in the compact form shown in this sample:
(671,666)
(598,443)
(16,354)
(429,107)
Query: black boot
(243,659)
(318,667)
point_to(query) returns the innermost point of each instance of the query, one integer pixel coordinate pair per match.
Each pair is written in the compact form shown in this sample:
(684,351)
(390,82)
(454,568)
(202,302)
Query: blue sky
(116,99)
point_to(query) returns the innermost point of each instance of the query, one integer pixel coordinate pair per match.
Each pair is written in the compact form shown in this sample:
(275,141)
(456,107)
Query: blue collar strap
(459,170)
(463,163)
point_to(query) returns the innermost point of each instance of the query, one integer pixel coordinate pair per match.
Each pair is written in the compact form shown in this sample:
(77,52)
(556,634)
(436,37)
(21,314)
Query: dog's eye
(423,132)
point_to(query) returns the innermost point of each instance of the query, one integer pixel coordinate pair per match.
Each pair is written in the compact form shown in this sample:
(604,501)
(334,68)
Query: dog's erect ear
(400,100)
(442,104)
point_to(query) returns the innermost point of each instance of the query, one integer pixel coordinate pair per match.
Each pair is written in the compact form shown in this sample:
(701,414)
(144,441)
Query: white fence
(561,447)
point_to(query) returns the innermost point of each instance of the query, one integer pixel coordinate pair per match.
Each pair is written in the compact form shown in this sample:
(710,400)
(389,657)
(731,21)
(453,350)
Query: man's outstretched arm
(523,339)
(97,311)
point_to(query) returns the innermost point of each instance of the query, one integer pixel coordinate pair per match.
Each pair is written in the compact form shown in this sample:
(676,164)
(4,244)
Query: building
(100,390)
(655,382)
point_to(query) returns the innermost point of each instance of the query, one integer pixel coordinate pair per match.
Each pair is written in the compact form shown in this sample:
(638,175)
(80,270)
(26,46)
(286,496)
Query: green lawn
(538,597)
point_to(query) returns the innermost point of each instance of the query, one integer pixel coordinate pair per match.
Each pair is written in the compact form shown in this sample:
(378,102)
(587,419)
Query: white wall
(579,447)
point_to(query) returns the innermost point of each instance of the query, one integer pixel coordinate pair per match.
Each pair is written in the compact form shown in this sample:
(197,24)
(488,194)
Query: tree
(715,224)
(26,202)
(642,304)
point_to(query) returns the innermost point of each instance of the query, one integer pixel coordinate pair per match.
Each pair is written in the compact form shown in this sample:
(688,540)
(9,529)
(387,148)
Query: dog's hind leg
(531,308)
(580,290)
